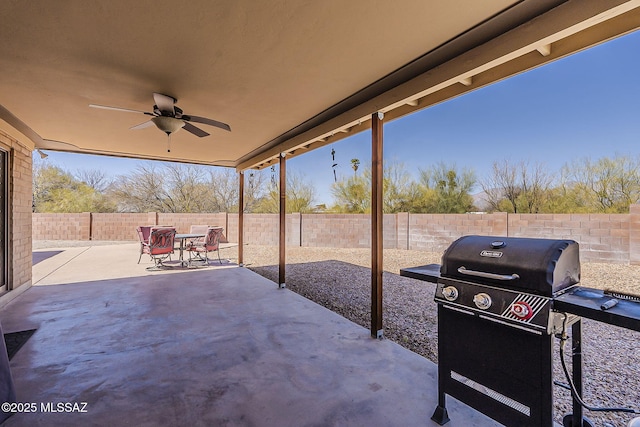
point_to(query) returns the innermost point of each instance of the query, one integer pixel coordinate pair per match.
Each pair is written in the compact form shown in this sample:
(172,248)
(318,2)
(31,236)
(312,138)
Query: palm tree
(355,163)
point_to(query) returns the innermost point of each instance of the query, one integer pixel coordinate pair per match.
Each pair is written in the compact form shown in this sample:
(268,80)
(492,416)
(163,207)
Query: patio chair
(198,229)
(161,241)
(143,234)
(211,243)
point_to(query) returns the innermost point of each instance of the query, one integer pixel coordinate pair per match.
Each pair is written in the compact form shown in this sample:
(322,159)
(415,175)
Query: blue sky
(585,105)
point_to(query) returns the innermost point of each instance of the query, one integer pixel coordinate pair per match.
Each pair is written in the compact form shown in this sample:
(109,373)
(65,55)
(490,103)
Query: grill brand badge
(491,254)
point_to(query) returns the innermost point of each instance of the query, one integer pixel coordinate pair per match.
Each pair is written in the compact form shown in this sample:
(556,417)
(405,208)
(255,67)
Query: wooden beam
(283,221)
(376,225)
(241,219)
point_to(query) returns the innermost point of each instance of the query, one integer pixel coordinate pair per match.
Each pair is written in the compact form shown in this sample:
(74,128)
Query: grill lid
(540,266)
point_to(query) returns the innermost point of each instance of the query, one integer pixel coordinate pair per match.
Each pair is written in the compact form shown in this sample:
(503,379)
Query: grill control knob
(521,310)
(482,301)
(450,293)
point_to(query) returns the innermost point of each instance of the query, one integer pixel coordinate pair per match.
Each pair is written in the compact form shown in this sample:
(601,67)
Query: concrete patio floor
(218,346)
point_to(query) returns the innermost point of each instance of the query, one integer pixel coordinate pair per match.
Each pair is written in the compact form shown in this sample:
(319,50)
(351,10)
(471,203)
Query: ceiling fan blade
(142,125)
(194,130)
(126,110)
(206,121)
(164,102)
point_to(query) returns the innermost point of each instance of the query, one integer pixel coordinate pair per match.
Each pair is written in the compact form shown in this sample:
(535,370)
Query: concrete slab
(88,263)
(205,347)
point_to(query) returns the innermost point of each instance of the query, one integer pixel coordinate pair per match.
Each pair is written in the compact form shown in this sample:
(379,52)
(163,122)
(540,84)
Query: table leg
(182,262)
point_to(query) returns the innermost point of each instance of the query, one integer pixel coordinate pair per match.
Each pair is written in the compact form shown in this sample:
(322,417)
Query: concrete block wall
(261,229)
(62,226)
(105,226)
(435,232)
(232,227)
(294,229)
(264,229)
(336,230)
(402,230)
(634,235)
(183,222)
(602,237)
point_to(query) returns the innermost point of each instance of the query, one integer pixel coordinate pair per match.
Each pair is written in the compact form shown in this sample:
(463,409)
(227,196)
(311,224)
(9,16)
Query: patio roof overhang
(288,76)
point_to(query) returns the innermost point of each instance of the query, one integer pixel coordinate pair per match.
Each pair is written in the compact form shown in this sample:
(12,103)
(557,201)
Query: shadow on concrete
(39,256)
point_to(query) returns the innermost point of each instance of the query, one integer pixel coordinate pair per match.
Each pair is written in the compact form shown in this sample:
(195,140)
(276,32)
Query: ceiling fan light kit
(168,124)
(169,118)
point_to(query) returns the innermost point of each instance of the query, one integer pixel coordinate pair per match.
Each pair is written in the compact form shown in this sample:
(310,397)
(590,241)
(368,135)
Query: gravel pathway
(340,279)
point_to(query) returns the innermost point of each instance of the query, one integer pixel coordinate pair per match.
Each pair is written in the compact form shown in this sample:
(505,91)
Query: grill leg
(576,344)
(440,415)
(576,419)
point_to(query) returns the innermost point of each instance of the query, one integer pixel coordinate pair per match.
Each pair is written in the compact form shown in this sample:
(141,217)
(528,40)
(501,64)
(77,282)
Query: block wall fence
(612,238)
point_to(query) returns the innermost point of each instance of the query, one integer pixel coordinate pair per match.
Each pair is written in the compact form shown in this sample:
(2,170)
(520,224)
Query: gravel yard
(340,280)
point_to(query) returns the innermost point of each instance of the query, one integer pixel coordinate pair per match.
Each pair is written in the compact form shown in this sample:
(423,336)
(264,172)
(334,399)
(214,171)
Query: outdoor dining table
(183,237)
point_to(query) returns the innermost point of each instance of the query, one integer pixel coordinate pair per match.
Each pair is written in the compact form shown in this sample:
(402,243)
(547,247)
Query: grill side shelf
(587,302)
(427,273)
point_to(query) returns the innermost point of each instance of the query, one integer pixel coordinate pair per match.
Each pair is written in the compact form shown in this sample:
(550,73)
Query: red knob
(521,310)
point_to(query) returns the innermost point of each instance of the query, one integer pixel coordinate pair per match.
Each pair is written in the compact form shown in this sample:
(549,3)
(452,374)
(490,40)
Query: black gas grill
(500,302)
(495,322)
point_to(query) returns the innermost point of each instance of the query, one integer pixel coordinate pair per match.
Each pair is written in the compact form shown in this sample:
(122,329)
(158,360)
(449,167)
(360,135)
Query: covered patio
(214,346)
(225,347)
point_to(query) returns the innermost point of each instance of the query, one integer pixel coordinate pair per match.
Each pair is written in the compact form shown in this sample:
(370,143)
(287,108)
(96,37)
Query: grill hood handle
(463,270)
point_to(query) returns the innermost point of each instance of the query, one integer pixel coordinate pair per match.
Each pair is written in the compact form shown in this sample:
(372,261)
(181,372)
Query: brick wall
(336,230)
(62,226)
(183,222)
(434,232)
(345,230)
(263,229)
(634,234)
(232,227)
(602,237)
(19,227)
(123,226)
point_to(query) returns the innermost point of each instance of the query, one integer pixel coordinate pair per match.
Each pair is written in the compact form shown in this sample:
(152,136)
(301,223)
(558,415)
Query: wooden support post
(376,225)
(283,221)
(241,219)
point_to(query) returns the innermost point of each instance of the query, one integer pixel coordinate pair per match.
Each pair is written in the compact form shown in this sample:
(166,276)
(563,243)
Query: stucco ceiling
(286,75)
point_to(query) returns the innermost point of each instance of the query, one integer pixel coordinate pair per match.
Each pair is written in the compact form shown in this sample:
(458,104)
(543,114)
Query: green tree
(445,189)
(518,187)
(186,188)
(224,188)
(143,190)
(55,190)
(607,185)
(353,194)
(300,196)
(355,164)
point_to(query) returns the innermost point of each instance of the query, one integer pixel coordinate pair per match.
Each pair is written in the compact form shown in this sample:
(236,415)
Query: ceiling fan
(169,118)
